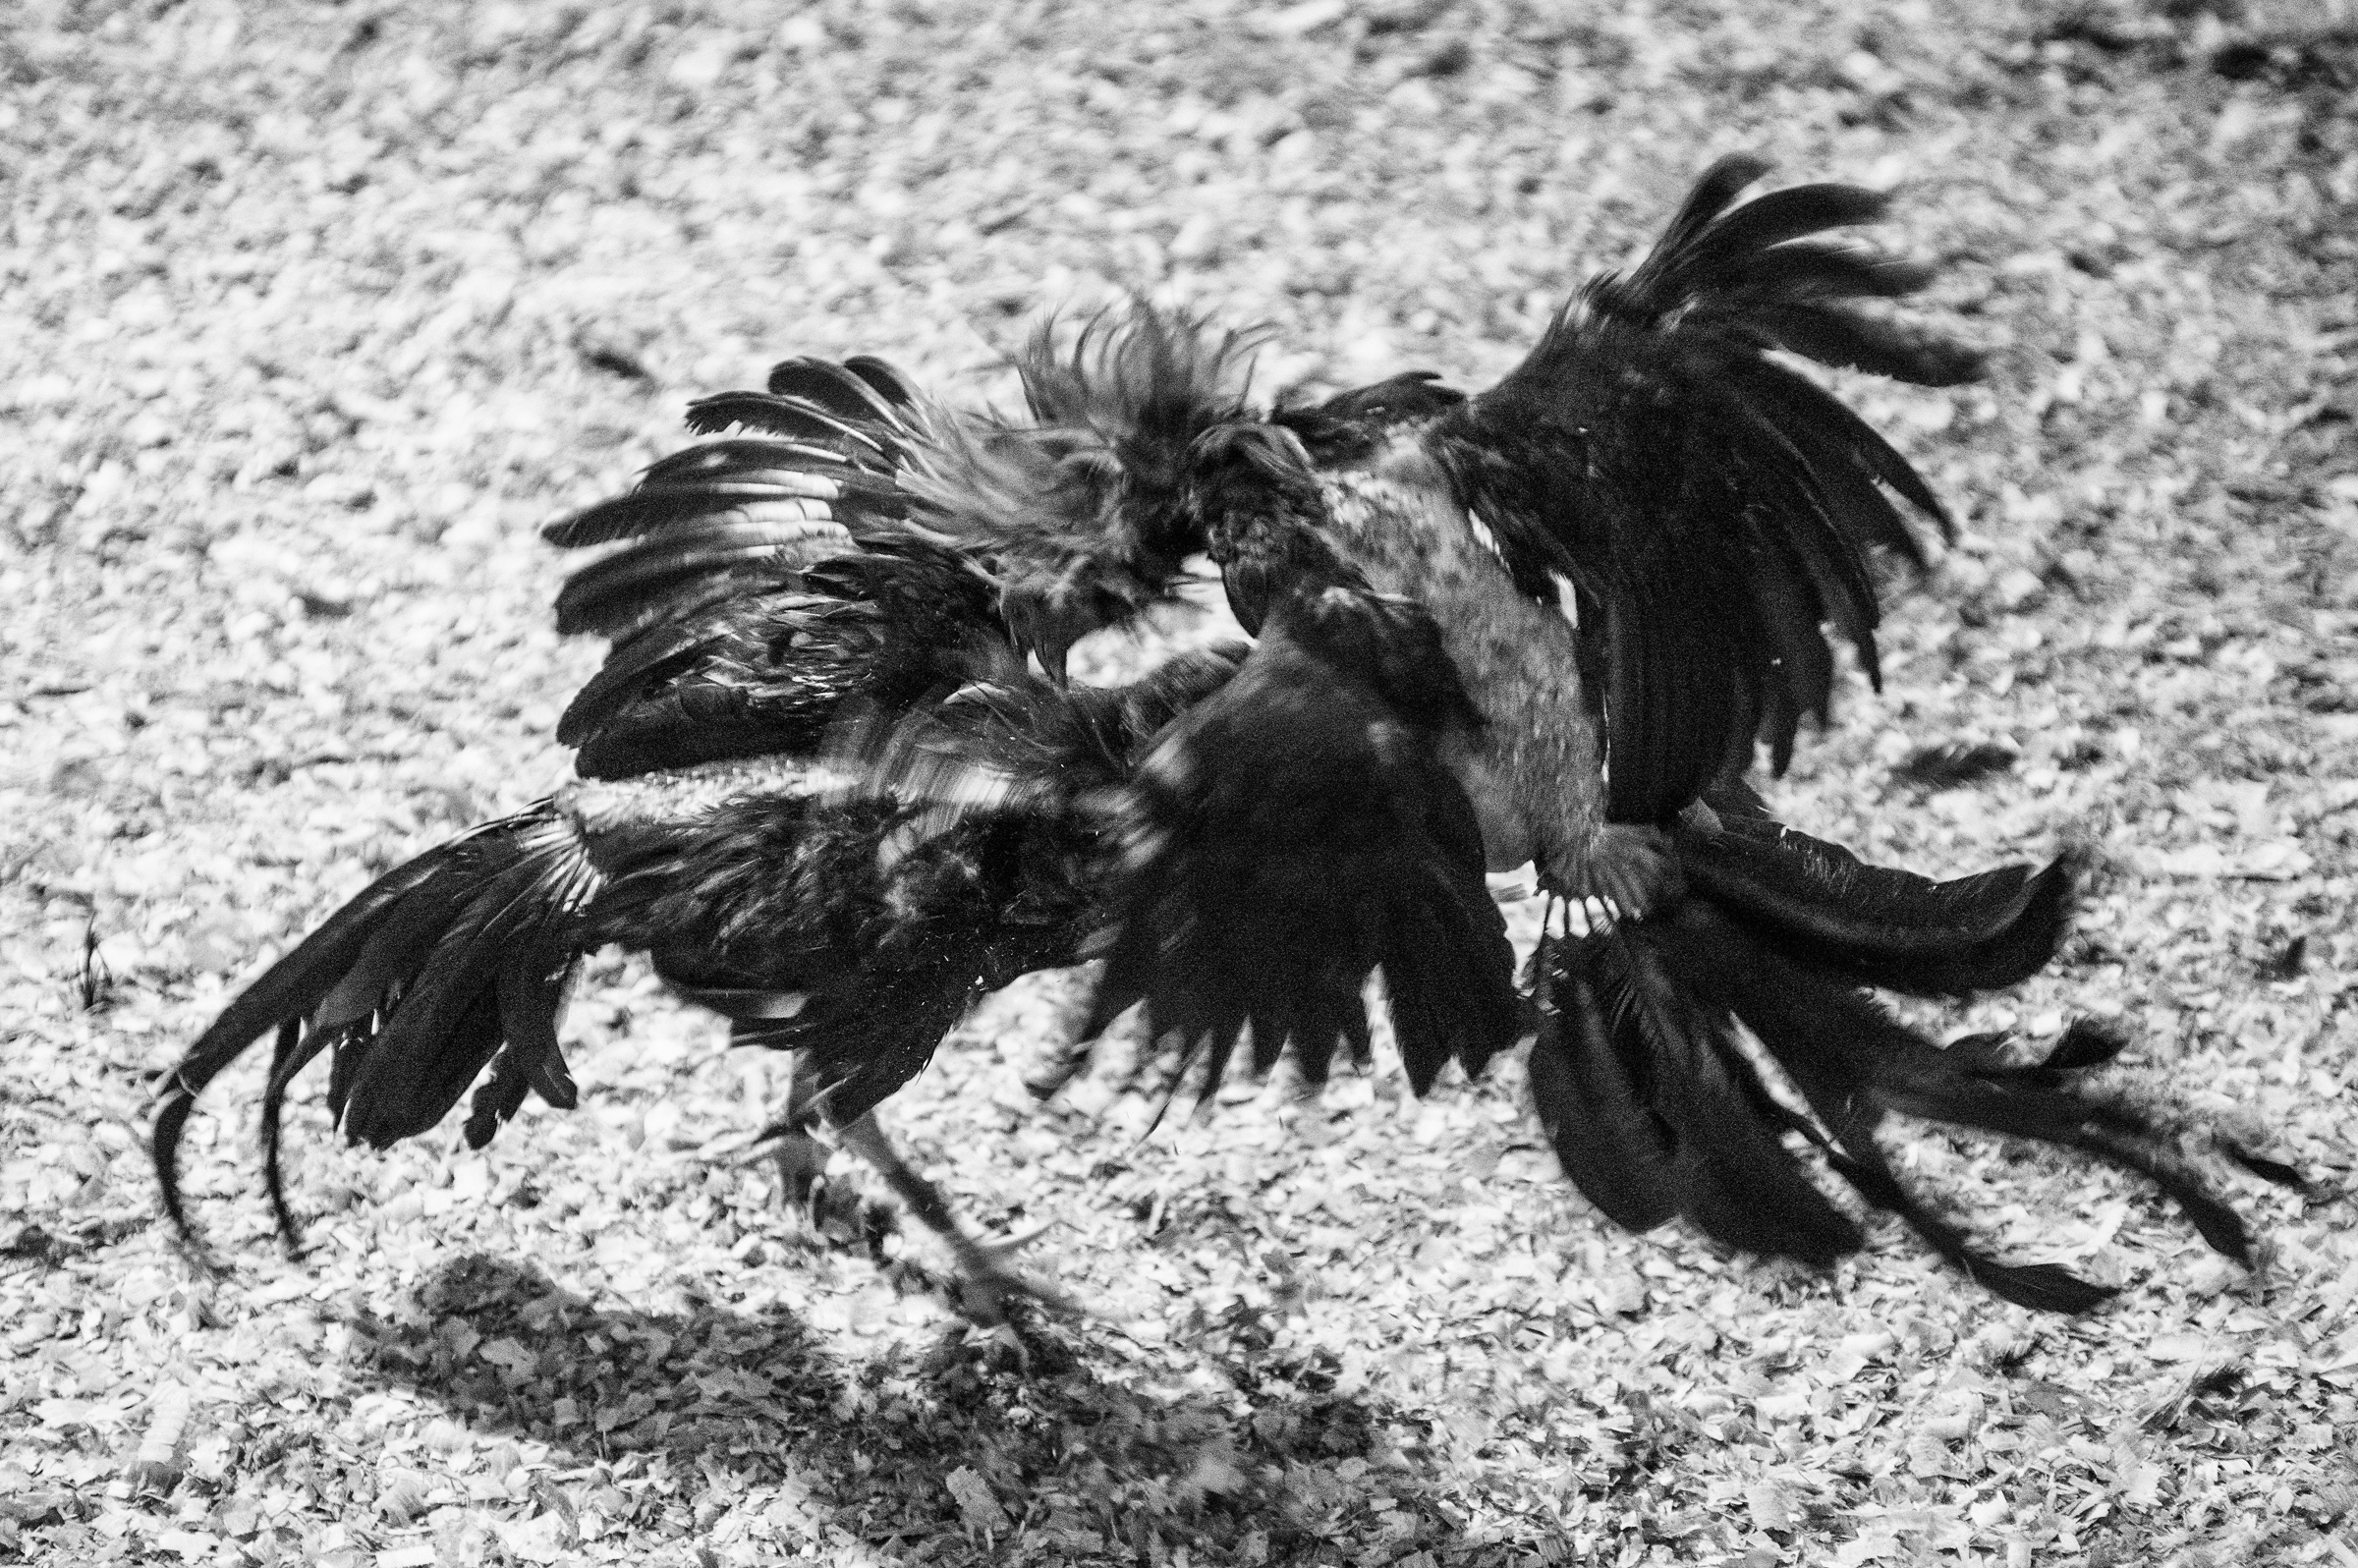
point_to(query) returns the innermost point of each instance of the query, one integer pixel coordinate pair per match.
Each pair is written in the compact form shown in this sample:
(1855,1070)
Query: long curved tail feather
(1676,1054)
(455,960)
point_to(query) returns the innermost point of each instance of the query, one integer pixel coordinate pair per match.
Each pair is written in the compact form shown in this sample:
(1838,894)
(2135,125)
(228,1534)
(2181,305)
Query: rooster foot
(1628,869)
(985,1286)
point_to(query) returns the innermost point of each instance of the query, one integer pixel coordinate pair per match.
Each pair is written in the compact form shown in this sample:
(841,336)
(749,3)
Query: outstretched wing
(840,535)
(814,469)
(766,578)
(1711,509)
(1299,830)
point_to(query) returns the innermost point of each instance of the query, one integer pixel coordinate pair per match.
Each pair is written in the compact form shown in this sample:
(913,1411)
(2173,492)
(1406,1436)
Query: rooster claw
(1580,916)
(1002,1337)
(988,1286)
(802,1164)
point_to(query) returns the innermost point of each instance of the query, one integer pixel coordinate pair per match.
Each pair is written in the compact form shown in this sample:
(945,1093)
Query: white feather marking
(1514,886)
(1567,599)
(785,483)
(686,795)
(1772,1073)
(819,518)
(1482,532)
(1580,917)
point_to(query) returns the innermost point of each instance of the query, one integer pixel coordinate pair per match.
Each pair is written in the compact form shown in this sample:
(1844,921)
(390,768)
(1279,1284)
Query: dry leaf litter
(314,311)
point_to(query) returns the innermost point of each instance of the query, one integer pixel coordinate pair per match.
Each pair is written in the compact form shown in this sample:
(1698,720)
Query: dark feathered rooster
(835,784)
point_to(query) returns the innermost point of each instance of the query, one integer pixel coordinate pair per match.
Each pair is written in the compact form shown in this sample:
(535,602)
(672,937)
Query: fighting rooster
(835,783)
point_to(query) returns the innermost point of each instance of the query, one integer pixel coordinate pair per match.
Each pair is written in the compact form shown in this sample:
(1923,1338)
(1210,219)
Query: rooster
(835,782)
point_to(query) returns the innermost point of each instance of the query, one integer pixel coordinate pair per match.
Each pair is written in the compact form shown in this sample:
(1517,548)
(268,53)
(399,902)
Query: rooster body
(1533,769)
(835,785)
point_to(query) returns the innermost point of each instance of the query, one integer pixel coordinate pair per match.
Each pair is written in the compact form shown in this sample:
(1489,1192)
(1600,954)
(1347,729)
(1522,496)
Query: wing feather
(1296,832)
(1717,507)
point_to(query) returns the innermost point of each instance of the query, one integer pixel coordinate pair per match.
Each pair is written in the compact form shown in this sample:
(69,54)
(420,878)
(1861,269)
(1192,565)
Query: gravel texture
(310,313)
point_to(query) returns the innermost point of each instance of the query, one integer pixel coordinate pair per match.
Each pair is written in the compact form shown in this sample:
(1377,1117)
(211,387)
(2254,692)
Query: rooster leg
(802,1161)
(800,1149)
(1070,1049)
(988,1283)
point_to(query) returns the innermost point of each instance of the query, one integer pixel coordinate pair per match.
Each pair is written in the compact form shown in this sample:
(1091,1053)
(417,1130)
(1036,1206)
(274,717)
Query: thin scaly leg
(987,1282)
(802,1158)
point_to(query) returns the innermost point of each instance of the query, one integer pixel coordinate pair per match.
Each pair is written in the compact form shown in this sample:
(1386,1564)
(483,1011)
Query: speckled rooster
(835,783)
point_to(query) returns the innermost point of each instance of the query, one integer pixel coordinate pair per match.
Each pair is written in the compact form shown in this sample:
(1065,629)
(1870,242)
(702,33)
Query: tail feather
(1732,1174)
(2042,1287)
(2084,1044)
(1832,272)
(1820,904)
(1593,1105)
(1916,1080)
(1853,342)
(291,1052)
(1855,1064)
(455,960)
(531,993)
(443,1029)
(1662,1045)
(296,986)
(300,981)
(2267,1169)
(400,1081)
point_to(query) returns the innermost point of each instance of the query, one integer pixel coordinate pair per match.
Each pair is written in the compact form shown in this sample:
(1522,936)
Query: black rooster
(834,782)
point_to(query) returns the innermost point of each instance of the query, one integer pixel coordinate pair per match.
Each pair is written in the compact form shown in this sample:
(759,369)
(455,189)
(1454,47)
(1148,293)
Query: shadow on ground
(680,1419)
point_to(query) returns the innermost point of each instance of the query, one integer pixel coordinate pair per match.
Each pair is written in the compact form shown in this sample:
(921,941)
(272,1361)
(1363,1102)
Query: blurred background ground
(310,313)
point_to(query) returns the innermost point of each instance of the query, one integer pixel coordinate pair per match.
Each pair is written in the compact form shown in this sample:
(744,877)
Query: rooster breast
(1535,773)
